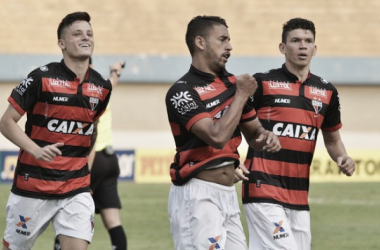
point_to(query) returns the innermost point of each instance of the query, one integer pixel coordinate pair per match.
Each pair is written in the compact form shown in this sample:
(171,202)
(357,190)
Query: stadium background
(149,36)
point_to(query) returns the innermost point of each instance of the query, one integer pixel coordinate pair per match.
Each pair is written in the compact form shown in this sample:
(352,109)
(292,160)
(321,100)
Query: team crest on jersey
(21,88)
(205,89)
(318,92)
(93,102)
(317,105)
(280,85)
(183,102)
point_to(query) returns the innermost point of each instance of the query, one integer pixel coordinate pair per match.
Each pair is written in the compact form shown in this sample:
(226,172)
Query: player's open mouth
(226,56)
(302,56)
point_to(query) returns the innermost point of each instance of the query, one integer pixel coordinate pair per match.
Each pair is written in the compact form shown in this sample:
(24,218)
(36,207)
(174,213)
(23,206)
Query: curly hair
(297,23)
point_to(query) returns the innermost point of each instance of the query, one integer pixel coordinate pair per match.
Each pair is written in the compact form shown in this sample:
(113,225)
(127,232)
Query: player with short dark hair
(205,109)
(104,166)
(51,183)
(295,104)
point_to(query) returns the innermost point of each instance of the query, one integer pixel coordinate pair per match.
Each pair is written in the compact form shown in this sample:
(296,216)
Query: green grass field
(344,216)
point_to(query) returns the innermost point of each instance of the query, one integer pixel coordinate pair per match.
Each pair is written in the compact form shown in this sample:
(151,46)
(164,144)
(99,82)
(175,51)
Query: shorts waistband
(212,184)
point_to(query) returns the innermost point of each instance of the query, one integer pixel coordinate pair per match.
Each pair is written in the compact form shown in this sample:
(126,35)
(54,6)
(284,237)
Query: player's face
(218,48)
(77,40)
(299,48)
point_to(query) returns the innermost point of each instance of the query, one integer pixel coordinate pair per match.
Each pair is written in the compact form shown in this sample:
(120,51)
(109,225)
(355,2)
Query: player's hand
(240,173)
(118,66)
(246,84)
(346,164)
(268,141)
(49,152)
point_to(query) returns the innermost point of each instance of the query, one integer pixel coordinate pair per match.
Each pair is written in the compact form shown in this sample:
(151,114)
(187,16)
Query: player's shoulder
(321,82)
(45,70)
(270,72)
(98,78)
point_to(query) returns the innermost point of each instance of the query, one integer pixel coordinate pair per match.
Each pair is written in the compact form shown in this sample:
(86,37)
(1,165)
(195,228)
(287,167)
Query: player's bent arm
(216,134)
(12,131)
(333,144)
(337,152)
(259,138)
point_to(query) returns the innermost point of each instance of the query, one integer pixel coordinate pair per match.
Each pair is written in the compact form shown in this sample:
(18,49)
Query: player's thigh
(269,227)
(76,217)
(235,233)
(196,218)
(300,224)
(27,218)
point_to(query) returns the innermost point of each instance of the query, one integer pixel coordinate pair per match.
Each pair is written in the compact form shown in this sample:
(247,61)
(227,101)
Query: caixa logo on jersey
(295,131)
(70,127)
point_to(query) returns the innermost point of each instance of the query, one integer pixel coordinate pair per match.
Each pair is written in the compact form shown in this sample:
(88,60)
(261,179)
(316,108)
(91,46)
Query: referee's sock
(118,238)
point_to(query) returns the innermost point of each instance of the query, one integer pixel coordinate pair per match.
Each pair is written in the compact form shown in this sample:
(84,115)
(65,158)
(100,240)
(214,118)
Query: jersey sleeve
(25,95)
(104,103)
(184,106)
(332,120)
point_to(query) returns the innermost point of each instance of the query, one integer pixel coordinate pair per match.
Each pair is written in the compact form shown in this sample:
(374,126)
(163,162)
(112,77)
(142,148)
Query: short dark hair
(199,26)
(70,19)
(297,23)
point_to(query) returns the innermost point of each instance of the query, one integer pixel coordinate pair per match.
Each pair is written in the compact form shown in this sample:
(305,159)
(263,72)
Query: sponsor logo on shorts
(22,225)
(214,242)
(183,102)
(279,231)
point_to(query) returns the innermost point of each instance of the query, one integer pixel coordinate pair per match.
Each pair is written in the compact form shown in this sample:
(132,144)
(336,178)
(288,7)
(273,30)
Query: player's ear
(200,42)
(61,44)
(281,47)
(315,50)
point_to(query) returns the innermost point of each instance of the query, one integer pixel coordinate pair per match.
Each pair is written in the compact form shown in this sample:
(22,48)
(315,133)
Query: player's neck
(302,72)
(203,66)
(79,67)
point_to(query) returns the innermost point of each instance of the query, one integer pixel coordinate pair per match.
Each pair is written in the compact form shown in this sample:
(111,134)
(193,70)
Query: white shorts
(205,215)
(27,218)
(272,226)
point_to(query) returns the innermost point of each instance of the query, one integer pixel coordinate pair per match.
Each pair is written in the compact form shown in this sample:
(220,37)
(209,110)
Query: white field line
(345,202)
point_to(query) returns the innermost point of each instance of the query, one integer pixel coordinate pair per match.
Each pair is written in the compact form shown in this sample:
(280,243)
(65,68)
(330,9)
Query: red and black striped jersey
(195,96)
(295,111)
(59,108)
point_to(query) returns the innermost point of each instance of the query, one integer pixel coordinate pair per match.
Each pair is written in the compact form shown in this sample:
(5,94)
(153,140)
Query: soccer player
(295,105)
(51,184)
(205,109)
(104,166)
